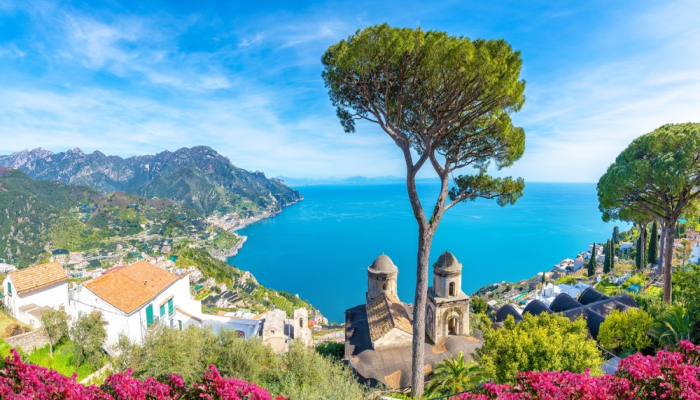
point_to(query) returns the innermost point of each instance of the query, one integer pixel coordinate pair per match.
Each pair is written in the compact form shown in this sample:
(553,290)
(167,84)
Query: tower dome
(381,278)
(448,262)
(447,276)
(383,265)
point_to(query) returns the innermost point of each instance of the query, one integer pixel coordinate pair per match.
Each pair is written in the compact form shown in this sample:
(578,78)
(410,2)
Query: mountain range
(37,216)
(198,177)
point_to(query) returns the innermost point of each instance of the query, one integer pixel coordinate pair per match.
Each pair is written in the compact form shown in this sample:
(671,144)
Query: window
(162,311)
(301,322)
(452,288)
(171,308)
(384,286)
(179,324)
(149,315)
(9,288)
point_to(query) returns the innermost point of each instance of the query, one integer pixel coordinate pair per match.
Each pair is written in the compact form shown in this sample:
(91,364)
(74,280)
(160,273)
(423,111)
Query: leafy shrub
(479,305)
(548,342)
(626,330)
(88,334)
(668,375)
(333,350)
(651,303)
(300,374)
(454,375)
(673,326)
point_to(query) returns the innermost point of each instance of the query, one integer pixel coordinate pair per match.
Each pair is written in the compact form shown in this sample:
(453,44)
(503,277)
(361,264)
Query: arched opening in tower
(452,326)
(452,289)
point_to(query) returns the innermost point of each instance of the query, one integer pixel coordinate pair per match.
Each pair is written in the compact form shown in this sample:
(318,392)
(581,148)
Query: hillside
(38,216)
(198,177)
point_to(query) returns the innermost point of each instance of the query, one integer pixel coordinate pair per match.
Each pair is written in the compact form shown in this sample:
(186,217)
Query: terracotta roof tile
(385,313)
(131,287)
(34,278)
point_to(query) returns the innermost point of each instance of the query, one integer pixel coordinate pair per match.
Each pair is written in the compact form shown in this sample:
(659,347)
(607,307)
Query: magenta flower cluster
(668,375)
(21,381)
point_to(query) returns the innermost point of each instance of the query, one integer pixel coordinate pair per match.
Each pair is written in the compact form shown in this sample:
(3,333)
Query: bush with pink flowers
(22,381)
(668,375)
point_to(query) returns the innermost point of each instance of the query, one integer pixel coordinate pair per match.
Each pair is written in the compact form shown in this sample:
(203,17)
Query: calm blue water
(320,248)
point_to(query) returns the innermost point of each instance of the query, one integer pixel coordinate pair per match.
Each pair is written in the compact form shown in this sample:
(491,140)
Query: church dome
(383,265)
(448,262)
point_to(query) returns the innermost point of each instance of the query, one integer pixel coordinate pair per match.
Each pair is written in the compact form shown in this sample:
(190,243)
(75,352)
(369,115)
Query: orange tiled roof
(133,286)
(385,313)
(34,278)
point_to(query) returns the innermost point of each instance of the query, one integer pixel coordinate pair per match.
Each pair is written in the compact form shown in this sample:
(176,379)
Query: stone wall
(28,341)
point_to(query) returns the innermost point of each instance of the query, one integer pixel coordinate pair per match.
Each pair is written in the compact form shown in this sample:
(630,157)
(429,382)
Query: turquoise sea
(320,248)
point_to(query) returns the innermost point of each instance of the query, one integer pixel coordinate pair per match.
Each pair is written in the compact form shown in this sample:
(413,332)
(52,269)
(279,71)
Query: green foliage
(657,177)
(673,326)
(88,334)
(479,305)
(609,257)
(592,263)
(616,235)
(333,350)
(454,375)
(54,325)
(543,343)
(209,266)
(63,359)
(653,250)
(626,330)
(300,374)
(687,293)
(650,303)
(479,322)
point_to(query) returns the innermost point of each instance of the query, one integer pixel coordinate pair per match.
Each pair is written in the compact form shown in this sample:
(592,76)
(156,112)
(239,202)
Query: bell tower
(381,278)
(448,307)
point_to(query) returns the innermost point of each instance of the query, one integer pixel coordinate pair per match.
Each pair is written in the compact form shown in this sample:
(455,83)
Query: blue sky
(245,78)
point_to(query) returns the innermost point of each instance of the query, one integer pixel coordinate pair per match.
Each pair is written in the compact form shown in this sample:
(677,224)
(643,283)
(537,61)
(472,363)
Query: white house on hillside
(135,299)
(29,291)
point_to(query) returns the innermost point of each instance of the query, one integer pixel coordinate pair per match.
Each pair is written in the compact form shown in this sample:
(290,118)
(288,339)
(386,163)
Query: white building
(137,298)
(134,299)
(29,291)
(550,291)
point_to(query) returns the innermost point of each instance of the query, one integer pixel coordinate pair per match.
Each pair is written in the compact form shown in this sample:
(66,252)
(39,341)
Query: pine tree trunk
(667,245)
(418,380)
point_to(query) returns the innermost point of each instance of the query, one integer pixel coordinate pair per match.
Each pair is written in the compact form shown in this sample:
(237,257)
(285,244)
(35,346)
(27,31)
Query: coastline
(223,256)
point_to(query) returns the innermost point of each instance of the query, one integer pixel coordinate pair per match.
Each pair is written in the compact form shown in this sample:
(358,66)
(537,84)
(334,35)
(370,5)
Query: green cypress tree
(616,235)
(653,254)
(608,256)
(638,255)
(592,264)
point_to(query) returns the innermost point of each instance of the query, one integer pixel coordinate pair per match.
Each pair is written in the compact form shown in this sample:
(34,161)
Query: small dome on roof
(383,265)
(448,262)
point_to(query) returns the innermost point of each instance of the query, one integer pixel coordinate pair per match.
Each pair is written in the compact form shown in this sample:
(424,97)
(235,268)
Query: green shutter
(179,324)
(171,310)
(9,288)
(149,315)
(162,311)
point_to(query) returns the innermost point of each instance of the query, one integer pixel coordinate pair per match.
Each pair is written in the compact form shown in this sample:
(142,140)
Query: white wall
(51,296)
(134,325)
